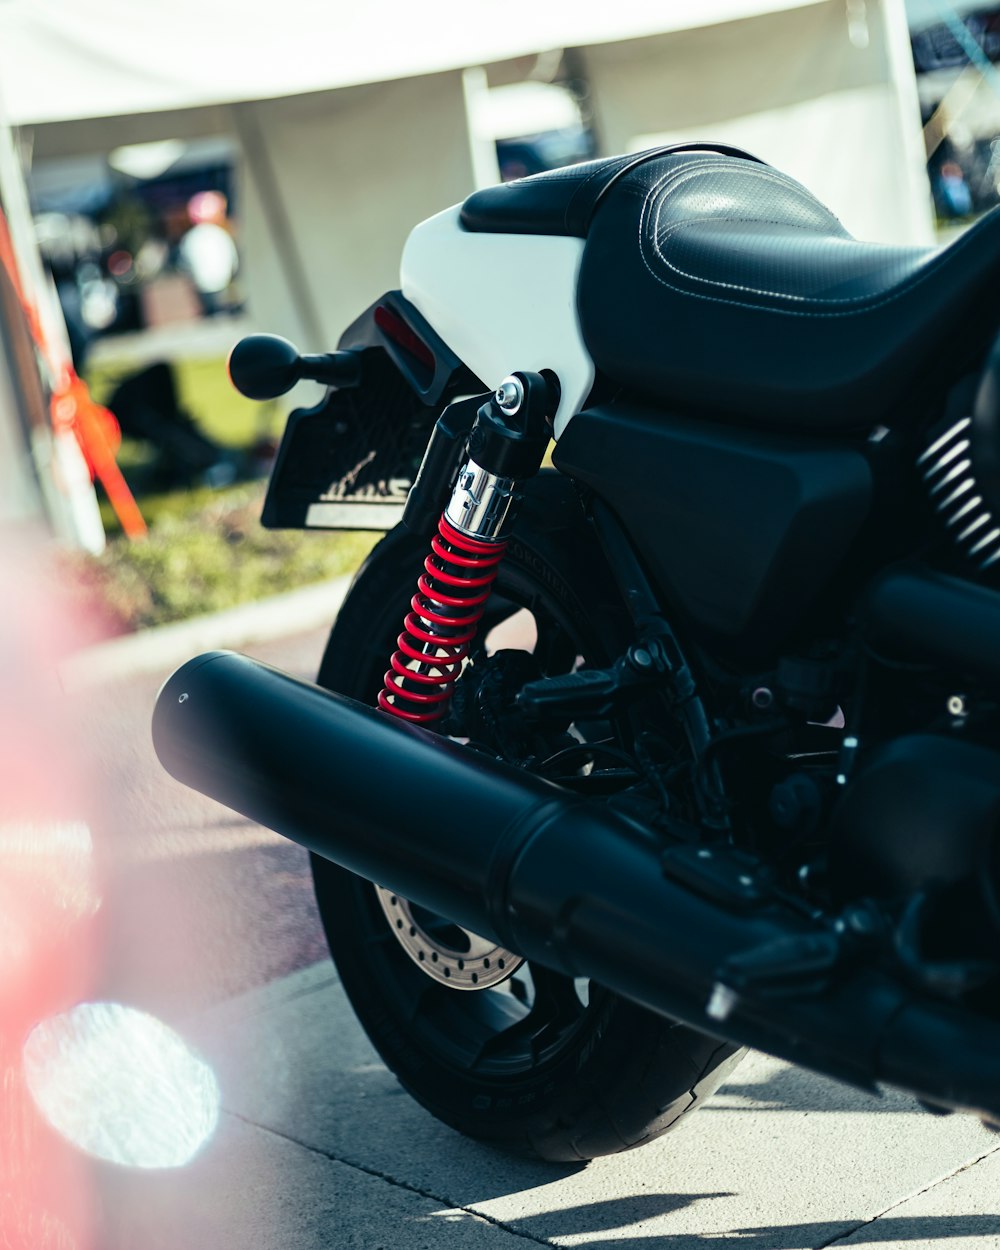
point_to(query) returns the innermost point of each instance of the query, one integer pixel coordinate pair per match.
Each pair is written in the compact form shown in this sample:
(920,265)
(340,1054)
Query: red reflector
(393,325)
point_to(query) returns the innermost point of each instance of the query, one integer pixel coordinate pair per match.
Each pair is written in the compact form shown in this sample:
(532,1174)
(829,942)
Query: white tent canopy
(68,59)
(354,122)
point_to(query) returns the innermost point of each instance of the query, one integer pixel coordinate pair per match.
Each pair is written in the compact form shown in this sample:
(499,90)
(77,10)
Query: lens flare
(54,858)
(48,885)
(121,1086)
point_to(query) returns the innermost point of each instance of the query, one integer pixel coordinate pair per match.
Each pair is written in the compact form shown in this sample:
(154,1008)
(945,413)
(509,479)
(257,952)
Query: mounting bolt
(958,707)
(509,395)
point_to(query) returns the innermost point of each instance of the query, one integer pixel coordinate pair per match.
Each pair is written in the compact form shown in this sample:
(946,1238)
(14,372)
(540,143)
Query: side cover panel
(741,531)
(502,303)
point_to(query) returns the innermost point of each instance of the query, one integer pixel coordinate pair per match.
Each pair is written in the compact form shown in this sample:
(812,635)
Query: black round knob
(264,366)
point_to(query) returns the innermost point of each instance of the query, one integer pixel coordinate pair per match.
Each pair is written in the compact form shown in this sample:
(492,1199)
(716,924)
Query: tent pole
(268,189)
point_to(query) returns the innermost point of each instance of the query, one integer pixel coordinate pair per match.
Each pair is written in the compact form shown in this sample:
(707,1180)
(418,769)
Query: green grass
(206,549)
(214,556)
(219,410)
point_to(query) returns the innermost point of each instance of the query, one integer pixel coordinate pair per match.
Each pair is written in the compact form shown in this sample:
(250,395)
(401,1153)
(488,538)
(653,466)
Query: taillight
(394,327)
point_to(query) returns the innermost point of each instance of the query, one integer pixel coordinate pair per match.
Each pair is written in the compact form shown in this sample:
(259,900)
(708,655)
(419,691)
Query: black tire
(550,1072)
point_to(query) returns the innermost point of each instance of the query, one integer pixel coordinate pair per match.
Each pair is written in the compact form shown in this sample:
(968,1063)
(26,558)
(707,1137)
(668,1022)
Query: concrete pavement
(318,1147)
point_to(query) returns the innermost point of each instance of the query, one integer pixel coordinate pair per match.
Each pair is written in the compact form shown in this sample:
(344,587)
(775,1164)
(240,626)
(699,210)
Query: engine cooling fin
(949,475)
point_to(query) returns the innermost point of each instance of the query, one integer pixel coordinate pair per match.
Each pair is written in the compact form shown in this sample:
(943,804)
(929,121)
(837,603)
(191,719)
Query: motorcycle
(683,738)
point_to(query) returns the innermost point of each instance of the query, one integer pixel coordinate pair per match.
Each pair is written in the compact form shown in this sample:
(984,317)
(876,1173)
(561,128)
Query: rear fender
(349,462)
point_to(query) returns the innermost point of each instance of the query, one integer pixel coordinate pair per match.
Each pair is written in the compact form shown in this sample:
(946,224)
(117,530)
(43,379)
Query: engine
(919,826)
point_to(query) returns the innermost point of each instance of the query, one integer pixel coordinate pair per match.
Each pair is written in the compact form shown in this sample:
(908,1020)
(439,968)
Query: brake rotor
(454,956)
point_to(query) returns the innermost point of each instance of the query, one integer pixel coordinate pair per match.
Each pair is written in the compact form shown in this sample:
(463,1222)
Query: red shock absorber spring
(437,634)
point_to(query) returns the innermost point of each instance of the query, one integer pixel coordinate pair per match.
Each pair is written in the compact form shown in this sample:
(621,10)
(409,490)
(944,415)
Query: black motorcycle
(688,740)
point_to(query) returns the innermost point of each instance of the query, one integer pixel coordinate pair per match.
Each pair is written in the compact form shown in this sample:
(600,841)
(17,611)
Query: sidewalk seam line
(392,1180)
(939,1180)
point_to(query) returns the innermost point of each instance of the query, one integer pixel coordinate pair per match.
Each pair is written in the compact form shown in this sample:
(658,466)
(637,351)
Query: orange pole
(73,407)
(92,424)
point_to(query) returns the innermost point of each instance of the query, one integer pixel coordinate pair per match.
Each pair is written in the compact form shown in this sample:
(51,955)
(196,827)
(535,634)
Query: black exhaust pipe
(562,880)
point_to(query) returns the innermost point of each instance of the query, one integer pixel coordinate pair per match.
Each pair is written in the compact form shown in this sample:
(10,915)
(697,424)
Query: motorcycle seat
(712,282)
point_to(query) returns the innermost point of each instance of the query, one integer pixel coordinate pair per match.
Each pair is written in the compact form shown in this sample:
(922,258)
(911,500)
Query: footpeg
(594,691)
(795,966)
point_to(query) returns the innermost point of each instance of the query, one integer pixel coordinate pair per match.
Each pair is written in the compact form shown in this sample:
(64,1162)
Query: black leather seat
(713,282)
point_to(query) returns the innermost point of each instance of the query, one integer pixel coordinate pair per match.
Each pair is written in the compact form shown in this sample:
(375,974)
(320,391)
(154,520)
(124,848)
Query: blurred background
(172,182)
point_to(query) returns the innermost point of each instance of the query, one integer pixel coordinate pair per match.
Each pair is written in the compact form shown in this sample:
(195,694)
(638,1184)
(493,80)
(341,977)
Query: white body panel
(502,303)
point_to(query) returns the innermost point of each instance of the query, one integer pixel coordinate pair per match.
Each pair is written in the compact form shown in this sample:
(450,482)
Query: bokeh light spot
(121,1085)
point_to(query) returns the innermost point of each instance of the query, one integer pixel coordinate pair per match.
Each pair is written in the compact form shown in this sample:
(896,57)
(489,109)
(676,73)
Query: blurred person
(147,406)
(207,251)
(954,190)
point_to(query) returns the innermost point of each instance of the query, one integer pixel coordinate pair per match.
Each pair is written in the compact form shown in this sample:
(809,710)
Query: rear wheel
(531,1060)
